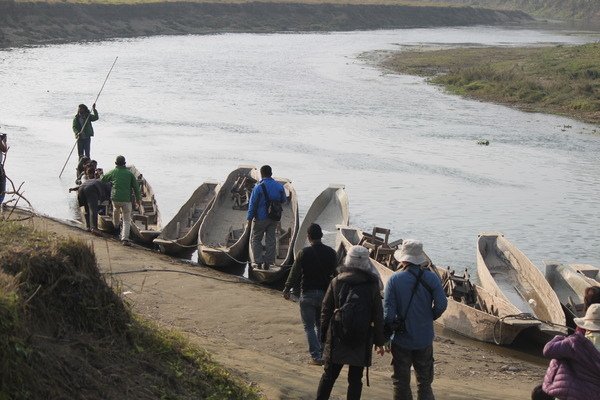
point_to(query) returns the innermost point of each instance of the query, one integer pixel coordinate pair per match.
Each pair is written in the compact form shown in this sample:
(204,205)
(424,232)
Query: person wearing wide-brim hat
(413,299)
(574,371)
(356,283)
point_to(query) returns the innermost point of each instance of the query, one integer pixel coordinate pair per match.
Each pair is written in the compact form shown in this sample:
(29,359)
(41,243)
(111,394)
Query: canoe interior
(225,227)
(329,210)
(569,286)
(147,218)
(589,271)
(512,276)
(190,213)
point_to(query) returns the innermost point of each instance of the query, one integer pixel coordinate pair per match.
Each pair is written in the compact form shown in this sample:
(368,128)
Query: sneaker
(316,361)
(96,232)
(126,242)
(254,266)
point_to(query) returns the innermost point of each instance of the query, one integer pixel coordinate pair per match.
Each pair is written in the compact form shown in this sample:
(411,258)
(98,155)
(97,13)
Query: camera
(398,327)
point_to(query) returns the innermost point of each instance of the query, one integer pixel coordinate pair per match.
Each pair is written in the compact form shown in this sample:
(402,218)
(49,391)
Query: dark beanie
(314,232)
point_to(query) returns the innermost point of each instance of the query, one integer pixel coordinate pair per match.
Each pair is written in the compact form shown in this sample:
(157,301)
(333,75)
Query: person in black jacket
(312,271)
(355,272)
(89,194)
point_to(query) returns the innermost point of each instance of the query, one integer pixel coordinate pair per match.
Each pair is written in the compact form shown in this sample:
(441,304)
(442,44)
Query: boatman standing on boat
(83,130)
(313,269)
(123,182)
(264,212)
(414,298)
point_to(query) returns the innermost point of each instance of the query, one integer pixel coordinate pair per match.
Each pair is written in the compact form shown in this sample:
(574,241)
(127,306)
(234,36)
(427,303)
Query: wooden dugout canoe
(569,285)
(285,237)
(477,313)
(329,210)
(180,235)
(146,222)
(507,273)
(472,311)
(223,235)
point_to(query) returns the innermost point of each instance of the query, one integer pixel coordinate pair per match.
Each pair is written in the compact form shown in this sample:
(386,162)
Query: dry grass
(64,333)
(563,80)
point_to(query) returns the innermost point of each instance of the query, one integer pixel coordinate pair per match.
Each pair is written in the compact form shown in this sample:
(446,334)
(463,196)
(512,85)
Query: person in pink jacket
(574,372)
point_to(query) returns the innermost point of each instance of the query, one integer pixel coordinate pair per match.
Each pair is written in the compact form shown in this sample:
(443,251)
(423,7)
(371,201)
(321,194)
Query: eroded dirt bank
(41,23)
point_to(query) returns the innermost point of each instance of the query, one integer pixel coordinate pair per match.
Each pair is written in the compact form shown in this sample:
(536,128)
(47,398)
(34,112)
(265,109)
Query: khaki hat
(412,252)
(591,321)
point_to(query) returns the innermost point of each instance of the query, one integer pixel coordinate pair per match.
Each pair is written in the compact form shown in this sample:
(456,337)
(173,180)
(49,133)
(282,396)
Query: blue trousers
(310,312)
(83,147)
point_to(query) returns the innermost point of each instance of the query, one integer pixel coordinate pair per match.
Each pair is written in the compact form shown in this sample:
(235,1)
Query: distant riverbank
(563,80)
(23,24)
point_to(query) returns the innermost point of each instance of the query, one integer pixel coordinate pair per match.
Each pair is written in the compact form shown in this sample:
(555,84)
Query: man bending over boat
(123,182)
(264,212)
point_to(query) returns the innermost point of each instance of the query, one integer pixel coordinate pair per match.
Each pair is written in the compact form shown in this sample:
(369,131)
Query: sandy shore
(29,23)
(253,331)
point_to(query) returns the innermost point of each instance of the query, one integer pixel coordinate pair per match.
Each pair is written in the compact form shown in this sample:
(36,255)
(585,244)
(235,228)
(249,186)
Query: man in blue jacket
(414,298)
(266,191)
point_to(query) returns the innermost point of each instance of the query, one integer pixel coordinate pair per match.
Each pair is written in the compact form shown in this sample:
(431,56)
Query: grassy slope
(561,80)
(64,333)
(558,9)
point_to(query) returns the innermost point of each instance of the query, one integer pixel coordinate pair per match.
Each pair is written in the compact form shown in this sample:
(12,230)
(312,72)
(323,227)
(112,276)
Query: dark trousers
(2,183)
(83,147)
(422,361)
(539,394)
(87,196)
(332,371)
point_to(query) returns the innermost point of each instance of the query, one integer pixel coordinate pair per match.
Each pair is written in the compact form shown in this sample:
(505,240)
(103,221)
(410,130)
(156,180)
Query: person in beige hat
(414,298)
(353,300)
(591,324)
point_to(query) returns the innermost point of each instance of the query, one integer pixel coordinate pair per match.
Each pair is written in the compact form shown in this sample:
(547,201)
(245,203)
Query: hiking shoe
(126,242)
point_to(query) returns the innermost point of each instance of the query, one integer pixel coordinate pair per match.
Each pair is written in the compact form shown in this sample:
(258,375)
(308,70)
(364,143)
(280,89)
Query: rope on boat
(523,317)
(243,262)
(186,246)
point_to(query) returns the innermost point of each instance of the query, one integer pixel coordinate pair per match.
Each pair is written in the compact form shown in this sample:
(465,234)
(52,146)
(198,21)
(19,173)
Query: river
(185,109)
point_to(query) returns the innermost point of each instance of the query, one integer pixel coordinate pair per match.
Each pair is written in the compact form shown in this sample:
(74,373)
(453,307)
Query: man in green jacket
(123,182)
(83,130)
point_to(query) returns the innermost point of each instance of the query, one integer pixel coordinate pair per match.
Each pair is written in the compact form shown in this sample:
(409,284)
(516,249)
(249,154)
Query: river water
(185,109)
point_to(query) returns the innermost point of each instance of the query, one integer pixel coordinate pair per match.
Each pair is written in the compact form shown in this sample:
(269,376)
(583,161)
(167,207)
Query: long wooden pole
(87,119)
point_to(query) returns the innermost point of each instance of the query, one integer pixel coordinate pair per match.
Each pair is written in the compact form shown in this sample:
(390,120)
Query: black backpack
(274,208)
(352,318)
